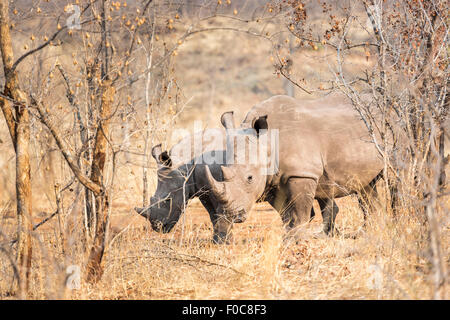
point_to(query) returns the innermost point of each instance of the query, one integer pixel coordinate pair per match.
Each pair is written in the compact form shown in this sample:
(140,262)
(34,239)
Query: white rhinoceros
(324,152)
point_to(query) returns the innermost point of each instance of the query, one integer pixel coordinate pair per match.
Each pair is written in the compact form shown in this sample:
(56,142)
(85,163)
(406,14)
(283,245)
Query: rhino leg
(222,226)
(329,210)
(393,189)
(300,199)
(365,200)
(272,196)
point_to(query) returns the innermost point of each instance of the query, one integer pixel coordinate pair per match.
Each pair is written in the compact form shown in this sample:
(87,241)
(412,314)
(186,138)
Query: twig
(51,215)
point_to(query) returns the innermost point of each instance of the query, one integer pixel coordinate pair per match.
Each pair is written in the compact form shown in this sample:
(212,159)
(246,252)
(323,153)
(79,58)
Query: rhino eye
(250,179)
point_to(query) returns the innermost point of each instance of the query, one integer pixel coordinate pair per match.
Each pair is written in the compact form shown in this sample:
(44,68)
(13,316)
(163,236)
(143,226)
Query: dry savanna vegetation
(89,86)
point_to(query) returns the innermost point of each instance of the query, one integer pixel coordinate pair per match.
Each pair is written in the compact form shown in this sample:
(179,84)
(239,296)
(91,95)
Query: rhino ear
(227,120)
(156,152)
(162,158)
(165,159)
(260,124)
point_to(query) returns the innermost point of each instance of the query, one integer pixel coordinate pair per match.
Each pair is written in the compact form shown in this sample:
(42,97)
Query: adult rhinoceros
(181,177)
(324,152)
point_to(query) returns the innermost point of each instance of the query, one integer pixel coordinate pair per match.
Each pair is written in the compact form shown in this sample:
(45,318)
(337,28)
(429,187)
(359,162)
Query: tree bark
(94,269)
(17,119)
(23,194)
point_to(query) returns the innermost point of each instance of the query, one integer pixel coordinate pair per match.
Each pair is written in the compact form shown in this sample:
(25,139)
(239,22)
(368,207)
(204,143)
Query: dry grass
(383,263)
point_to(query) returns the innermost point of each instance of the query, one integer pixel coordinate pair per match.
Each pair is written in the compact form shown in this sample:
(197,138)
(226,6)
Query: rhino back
(323,139)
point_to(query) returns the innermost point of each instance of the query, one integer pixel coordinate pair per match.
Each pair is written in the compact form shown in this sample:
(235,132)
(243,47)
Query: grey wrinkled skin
(181,178)
(325,152)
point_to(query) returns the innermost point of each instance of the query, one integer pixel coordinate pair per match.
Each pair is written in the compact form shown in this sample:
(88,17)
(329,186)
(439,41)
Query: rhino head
(169,200)
(243,182)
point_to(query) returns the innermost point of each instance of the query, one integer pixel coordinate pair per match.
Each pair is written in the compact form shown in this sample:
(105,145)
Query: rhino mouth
(240,216)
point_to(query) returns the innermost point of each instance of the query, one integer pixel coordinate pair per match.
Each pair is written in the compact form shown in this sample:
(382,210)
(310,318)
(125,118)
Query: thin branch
(49,41)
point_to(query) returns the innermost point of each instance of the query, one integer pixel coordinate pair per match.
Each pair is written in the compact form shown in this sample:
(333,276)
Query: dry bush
(401,95)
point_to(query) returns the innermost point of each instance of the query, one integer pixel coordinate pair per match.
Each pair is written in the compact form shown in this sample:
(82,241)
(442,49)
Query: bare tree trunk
(8,60)
(17,119)
(23,194)
(94,269)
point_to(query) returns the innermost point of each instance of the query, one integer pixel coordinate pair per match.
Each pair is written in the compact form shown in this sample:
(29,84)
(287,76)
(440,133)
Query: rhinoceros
(182,176)
(324,152)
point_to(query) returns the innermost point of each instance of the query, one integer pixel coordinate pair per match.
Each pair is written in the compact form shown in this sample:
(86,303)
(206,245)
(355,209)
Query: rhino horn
(228,173)
(141,211)
(218,188)
(227,120)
